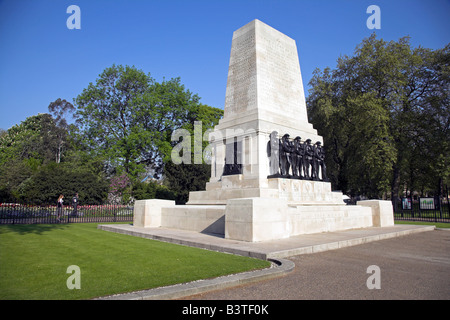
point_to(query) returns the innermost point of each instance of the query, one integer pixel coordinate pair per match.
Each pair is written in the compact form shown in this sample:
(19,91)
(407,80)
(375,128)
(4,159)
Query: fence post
(435,203)
(420,213)
(401,207)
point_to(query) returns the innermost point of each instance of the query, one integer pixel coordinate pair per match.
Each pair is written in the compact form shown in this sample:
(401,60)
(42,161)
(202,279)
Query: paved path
(415,266)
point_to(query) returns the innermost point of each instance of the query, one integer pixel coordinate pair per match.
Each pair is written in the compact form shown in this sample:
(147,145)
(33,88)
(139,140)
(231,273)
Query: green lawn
(437,224)
(34,261)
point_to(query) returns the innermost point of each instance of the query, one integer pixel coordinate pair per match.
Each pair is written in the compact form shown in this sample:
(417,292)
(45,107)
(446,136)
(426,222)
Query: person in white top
(59,207)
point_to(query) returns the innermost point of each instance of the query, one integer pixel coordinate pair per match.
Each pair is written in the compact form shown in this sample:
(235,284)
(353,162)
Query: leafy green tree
(183,178)
(60,131)
(23,141)
(23,149)
(54,179)
(110,121)
(128,118)
(384,114)
(152,190)
(30,171)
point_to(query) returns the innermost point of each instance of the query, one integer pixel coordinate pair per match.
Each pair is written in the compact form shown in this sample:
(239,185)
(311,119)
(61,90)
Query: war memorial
(268,175)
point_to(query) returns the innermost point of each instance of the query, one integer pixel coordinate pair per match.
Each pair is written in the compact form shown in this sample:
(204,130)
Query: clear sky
(42,60)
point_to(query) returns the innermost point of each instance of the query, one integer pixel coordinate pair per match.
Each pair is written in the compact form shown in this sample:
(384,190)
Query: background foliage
(384,115)
(116,151)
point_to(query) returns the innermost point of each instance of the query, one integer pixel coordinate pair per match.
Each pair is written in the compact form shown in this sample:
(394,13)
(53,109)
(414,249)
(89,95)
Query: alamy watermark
(182,151)
(74,20)
(74,280)
(374,21)
(374,281)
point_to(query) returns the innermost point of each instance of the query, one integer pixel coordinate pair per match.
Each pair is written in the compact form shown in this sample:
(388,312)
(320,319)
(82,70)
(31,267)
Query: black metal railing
(423,209)
(13,213)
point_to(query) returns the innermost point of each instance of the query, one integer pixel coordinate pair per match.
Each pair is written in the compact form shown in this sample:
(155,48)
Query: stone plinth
(256,219)
(294,191)
(206,219)
(147,213)
(382,212)
(260,219)
(328,218)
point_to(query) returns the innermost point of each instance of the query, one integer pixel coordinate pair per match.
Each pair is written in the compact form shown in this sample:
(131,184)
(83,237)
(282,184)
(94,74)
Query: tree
(128,118)
(58,141)
(383,112)
(183,178)
(152,190)
(108,118)
(33,170)
(54,179)
(22,151)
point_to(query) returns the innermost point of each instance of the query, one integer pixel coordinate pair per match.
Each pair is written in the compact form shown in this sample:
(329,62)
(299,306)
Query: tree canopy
(34,168)
(128,118)
(384,115)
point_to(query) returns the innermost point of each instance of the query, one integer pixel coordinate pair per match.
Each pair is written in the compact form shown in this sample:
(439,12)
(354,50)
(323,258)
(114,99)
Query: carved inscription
(264,73)
(280,79)
(241,86)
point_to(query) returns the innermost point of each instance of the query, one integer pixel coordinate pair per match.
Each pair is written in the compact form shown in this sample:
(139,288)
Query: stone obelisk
(264,94)
(264,80)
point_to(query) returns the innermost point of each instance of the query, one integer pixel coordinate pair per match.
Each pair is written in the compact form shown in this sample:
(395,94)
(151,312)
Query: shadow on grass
(31,228)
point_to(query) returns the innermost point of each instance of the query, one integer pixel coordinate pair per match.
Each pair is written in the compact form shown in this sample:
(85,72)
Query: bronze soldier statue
(308,159)
(298,155)
(285,155)
(320,154)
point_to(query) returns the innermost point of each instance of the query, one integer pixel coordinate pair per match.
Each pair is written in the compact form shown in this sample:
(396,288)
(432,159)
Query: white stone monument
(264,95)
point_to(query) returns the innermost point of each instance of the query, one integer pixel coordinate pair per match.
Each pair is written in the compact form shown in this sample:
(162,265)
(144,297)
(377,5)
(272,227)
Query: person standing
(75,204)
(59,207)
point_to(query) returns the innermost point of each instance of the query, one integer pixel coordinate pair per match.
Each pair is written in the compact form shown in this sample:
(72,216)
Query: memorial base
(294,191)
(262,219)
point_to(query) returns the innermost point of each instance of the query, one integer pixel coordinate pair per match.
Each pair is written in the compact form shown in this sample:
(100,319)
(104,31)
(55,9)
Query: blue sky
(42,60)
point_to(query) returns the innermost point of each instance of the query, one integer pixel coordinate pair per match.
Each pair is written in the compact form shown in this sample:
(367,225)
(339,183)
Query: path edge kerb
(279,267)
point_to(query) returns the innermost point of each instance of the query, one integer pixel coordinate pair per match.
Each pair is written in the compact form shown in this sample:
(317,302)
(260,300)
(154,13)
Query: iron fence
(423,209)
(13,213)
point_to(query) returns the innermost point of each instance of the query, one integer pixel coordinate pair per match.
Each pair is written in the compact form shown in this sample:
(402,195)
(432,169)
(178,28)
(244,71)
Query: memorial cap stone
(264,78)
